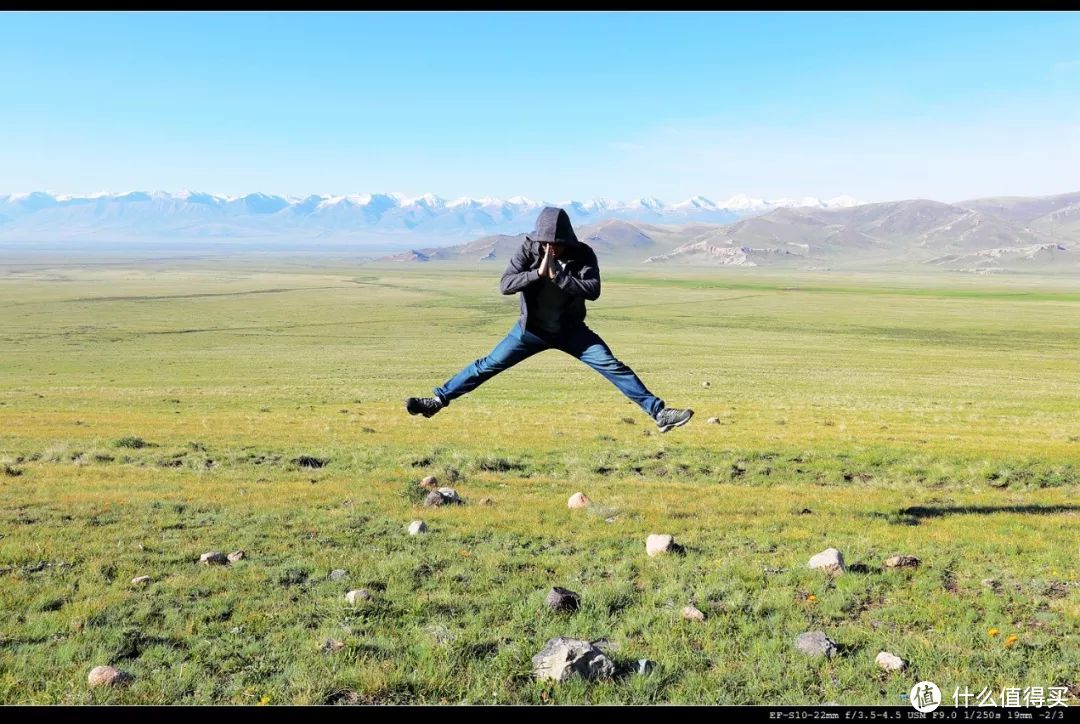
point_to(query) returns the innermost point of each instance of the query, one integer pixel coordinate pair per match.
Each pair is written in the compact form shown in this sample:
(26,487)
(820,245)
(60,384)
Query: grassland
(151,411)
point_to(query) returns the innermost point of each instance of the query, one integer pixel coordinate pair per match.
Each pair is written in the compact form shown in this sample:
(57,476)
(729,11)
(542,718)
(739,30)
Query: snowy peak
(197,214)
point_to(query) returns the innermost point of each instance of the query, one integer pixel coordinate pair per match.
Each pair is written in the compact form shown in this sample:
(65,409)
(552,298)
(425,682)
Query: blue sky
(550,105)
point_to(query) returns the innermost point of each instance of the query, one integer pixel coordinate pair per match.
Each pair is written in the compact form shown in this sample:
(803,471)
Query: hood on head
(553,225)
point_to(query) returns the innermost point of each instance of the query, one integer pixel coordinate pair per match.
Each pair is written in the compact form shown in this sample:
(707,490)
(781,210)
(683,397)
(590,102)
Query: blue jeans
(579,341)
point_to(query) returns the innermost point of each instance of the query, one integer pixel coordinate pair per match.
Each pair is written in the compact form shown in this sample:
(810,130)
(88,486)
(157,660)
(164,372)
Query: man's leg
(588,347)
(517,346)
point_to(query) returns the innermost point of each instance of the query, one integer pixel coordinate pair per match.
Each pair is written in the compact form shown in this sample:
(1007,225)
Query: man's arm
(518,275)
(586,283)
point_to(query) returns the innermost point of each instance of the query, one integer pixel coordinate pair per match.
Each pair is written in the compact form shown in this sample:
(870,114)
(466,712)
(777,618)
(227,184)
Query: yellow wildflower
(993,632)
(1011,641)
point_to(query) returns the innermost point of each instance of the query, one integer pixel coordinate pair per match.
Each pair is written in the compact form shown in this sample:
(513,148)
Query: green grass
(153,411)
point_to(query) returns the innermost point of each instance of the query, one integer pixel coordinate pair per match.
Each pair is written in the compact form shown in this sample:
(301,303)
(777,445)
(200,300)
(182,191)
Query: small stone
(706,384)
(355,596)
(562,599)
(213,557)
(656,544)
(644,667)
(713,421)
(691,613)
(578,500)
(486,502)
(829,560)
(563,658)
(430,482)
(417,527)
(108,676)
(331,645)
(902,562)
(816,643)
(338,573)
(890,662)
(236,556)
(141,581)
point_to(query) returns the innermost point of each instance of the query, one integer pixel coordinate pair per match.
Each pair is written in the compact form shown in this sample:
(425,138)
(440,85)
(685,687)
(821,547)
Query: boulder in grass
(657,544)
(713,421)
(564,658)
(215,558)
(236,556)
(578,500)
(141,581)
(357,596)
(902,562)
(816,643)
(443,496)
(417,527)
(487,502)
(562,599)
(451,495)
(338,574)
(829,560)
(890,662)
(108,676)
(692,613)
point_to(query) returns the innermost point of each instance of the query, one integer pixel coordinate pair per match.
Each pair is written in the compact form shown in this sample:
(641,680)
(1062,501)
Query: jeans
(579,341)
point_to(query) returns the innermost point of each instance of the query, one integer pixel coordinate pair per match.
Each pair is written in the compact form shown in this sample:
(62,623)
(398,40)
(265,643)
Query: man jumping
(555,274)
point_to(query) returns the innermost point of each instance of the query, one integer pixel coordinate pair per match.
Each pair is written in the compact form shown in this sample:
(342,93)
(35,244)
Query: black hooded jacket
(580,278)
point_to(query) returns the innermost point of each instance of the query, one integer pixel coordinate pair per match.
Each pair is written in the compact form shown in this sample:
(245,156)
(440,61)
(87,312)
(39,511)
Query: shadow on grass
(915,514)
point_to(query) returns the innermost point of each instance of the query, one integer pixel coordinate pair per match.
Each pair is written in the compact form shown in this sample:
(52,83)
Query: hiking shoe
(669,417)
(426,406)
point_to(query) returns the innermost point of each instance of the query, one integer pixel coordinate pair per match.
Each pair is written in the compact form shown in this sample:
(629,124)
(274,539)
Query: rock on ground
(890,662)
(338,574)
(816,643)
(357,595)
(829,560)
(691,613)
(443,496)
(236,556)
(713,421)
(213,557)
(902,562)
(562,599)
(417,527)
(578,500)
(141,581)
(486,502)
(108,676)
(563,658)
(657,543)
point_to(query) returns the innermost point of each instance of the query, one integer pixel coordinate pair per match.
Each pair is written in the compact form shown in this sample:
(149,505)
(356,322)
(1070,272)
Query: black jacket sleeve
(585,283)
(519,272)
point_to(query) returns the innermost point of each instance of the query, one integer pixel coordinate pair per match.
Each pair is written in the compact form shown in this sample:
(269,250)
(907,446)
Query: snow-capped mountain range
(140,215)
